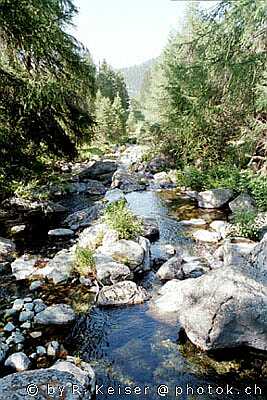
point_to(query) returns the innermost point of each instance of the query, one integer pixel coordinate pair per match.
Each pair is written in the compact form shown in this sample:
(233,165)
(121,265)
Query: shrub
(117,216)
(191,177)
(84,261)
(245,224)
(257,186)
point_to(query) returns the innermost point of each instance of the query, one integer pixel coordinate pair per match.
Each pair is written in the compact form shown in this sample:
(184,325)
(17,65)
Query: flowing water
(137,347)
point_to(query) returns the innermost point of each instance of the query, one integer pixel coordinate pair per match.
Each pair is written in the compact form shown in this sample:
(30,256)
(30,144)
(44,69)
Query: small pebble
(36,334)
(18,304)
(9,327)
(40,350)
(26,325)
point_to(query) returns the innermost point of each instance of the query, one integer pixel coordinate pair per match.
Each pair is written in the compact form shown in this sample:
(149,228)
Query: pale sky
(128,32)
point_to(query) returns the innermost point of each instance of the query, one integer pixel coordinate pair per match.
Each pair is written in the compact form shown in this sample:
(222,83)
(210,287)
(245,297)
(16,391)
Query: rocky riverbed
(198,298)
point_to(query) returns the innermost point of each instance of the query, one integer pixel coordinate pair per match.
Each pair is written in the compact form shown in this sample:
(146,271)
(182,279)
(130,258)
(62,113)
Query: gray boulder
(59,268)
(236,252)
(225,308)
(18,361)
(24,267)
(60,232)
(127,181)
(171,269)
(126,252)
(58,314)
(109,273)
(114,195)
(84,218)
(203,235)
(243,202)
(151,229)
(98,169)
(78,384)
(3,350)
(7,248)
(95,188)
(123,293)
(215,198)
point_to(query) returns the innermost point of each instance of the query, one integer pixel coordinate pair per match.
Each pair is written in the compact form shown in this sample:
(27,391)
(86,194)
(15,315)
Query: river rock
(84,218)
(98,169)
(122,293)
(243,202)
(7,248)
(97,235)
(236,252)
(109,273)
(24,267)
(9,327)
(163,179)
(114,195)
(60,268)
(171,269)
(78,384)
(34,207)
(146,264)
(18,361)
(193,222)
(215,198)
(203,235)
(127,181)
(3,350)
(58,314)
(220,227)
(126,252)
(225,308)
(60,232)
(95,188)
(151,229)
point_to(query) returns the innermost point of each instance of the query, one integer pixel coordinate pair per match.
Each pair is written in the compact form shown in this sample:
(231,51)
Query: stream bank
(136,345)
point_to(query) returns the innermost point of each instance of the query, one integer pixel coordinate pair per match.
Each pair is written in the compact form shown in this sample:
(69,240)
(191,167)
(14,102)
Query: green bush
(117,216)
(84,261)
(191,177)
(257,186)
(245,224)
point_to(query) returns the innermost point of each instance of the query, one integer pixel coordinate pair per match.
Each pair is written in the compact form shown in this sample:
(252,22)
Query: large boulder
(24,267)
(58,314)
(74,383)
(123,293)
(34,207)
(126,252)
(243,202)
(225,308)
(94,187)
(18,361)
(236,252)
(111,272)
(84,218)
(171,269)
(203,235)
(98,169)
(127,181)
(97,235)
(215,198)
(59,268)
(114,195)
(151,229)
(7,248)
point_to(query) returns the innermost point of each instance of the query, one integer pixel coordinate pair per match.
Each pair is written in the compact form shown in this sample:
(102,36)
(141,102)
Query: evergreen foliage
(207,86)
(47,84)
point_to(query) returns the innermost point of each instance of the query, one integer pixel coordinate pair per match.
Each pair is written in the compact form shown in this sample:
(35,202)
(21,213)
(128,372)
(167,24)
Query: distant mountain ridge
(134,76)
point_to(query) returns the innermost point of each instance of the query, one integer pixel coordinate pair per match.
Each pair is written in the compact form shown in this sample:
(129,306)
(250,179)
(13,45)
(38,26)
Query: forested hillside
(134,76)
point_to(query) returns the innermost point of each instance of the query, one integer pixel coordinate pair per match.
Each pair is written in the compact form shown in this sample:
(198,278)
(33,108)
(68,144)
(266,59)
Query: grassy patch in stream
(117,216)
